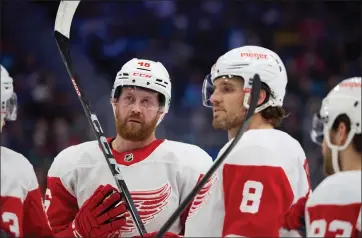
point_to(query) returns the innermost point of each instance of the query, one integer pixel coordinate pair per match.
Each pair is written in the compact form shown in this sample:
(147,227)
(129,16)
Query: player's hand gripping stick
(101,215)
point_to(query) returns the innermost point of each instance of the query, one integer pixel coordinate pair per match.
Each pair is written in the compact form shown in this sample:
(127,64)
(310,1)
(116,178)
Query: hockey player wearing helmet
(227,88)
(159,173)
(8,98)
(140,98)
(21,211)
(265,173)
(334,208)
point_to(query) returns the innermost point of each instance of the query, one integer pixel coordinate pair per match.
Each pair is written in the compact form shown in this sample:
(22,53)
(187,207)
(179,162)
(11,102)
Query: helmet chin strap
(2,123)
(336,148)
(161,118)
(335,162)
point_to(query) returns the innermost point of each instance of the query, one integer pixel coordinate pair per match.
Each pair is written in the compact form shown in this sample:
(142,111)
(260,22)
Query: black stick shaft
(64,48)
(253,104)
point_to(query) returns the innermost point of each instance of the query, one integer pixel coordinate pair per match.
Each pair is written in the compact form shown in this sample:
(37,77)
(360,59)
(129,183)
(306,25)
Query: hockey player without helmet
(8,96)
(145,74)
(345,98)
(245,62)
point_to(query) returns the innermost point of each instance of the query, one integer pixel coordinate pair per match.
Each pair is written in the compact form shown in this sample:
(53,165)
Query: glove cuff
(75,232)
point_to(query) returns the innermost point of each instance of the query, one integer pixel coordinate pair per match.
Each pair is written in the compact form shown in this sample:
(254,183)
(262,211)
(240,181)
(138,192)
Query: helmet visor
(9,108)
(207,91)
(316,133)
(128,97)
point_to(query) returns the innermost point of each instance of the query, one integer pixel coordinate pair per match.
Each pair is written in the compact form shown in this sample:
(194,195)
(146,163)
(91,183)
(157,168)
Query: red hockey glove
(153,234)
(101,215)
(294,219)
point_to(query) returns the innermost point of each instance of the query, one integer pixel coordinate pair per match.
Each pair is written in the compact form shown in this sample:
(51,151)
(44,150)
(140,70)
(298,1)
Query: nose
(136,108)
(215,98)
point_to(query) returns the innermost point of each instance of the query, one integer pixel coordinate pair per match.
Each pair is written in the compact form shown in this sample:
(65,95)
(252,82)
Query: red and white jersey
(21,211)
(158,176)
(334,207)
(248,195)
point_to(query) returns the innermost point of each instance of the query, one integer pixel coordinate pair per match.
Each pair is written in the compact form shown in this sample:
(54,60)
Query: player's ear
(341,134)
(262,96)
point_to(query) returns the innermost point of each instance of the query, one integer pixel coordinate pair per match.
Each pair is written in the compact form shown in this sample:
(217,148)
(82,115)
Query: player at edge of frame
(334,207)
(21,211)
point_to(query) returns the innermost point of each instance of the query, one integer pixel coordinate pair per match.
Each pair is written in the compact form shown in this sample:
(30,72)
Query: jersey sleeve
(36,222)
(11,211)
(257,193)
(293,224)
(198,164)
(60,201)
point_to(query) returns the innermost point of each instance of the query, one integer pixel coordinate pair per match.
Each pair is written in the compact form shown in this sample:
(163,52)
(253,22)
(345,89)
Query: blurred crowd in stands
(319,43)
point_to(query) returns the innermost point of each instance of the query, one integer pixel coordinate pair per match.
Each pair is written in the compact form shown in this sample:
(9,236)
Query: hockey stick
(63,23)
(256,86)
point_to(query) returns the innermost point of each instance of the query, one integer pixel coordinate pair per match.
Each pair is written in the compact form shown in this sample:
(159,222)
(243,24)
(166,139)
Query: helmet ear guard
(266,103)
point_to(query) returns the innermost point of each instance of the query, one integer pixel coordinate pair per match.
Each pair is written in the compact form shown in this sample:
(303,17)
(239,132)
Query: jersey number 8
(252,193)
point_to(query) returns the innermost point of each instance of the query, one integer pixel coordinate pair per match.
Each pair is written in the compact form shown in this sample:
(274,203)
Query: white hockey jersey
(21,211)
(158,176)
(248,195)
(334,207)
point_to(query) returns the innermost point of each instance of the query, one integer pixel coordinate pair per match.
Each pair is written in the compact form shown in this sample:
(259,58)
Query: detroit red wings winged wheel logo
(201,197)
(148,204)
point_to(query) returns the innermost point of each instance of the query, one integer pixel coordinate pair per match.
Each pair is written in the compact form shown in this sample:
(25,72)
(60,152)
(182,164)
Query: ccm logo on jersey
(254,55)
(142,75)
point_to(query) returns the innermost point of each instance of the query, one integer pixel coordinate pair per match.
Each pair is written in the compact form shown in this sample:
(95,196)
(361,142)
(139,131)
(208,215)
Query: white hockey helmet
(245,62)
(345,98)
(145,74)
(8,96)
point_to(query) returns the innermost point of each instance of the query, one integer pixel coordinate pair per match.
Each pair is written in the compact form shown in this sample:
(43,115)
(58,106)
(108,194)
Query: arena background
(319,42)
